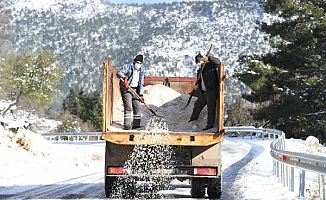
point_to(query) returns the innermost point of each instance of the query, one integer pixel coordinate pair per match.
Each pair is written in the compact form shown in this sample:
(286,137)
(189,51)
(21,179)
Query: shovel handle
(202,68)
(198,77)
(135,93)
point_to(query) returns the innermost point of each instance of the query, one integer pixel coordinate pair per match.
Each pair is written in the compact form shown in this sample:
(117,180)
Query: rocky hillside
(84,33)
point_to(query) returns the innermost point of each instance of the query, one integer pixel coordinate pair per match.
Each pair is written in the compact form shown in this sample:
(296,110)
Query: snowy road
(65,189)
(231,172)
(85,180)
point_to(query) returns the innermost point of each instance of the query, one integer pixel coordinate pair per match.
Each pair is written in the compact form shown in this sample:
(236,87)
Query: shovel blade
(154,113)
(184,108)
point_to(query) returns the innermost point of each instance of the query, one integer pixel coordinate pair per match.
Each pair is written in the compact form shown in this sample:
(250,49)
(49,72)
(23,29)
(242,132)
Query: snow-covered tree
(69,123)
(32,76)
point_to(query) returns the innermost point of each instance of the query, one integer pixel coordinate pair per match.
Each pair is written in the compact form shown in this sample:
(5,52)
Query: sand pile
(166,103)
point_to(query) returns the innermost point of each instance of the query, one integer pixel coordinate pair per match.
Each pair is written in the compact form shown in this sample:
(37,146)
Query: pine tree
(97,110)
(290,82)
(87,107)
(71,103)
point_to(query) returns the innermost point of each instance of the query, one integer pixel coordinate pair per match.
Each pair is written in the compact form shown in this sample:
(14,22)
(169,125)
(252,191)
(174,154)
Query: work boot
(192,120)
(207,127)
(127,127)
(137,127)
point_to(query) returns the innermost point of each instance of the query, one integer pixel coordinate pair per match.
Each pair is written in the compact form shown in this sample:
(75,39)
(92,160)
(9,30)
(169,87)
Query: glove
(205,59)
(141,99)
(125,82)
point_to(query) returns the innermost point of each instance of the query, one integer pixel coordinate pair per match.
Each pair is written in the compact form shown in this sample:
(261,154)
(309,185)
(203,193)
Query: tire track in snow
(74,188)
(229,175)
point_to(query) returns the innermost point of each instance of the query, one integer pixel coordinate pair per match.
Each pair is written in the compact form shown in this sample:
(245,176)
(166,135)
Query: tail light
(205,171)
(117,170)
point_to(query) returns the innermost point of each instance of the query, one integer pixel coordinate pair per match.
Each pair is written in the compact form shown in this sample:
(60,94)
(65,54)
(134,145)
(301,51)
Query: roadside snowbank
(42,161)
(23,118)
(309,146)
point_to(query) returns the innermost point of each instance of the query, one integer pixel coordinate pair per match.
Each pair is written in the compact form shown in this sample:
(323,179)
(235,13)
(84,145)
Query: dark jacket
(210,74)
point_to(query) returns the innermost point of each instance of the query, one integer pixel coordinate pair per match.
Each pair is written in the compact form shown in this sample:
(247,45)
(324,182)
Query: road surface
(91,184)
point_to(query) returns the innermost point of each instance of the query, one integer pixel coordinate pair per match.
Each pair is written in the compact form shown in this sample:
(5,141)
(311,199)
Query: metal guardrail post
(292,180)
(302,183)
(287,177)
(323,181)
(283,174)
(278,171)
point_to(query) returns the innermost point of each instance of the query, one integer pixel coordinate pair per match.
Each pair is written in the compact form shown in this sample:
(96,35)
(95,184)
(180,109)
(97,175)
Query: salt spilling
(148,163)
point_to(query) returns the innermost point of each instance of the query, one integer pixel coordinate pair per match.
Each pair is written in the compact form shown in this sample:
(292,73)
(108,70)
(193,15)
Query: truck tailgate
(174,138)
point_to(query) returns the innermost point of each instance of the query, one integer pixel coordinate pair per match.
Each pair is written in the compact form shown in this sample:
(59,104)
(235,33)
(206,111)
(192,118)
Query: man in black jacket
(208,85)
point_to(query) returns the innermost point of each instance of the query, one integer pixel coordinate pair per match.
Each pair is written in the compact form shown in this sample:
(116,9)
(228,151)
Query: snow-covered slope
(84,33)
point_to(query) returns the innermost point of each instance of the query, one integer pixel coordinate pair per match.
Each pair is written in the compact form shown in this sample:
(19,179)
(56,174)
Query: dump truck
(198,157)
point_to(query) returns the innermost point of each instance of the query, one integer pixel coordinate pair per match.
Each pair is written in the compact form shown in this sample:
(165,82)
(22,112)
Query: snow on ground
(310,146)
(28,160)
(44,162)
(256,180)
(20,118)
(47,163)
(87,8)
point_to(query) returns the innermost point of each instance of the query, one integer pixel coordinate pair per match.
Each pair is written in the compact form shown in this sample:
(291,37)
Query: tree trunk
(11,105)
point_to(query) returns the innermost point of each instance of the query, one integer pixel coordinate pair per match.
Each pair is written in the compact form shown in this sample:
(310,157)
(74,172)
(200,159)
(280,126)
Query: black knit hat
(139,58)
(198,58)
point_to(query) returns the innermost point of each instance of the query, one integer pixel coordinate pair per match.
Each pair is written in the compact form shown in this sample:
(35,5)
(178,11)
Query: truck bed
(168,146)
(167,100)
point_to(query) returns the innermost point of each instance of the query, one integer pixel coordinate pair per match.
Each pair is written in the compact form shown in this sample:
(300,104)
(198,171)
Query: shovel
(135,93)
(198,77)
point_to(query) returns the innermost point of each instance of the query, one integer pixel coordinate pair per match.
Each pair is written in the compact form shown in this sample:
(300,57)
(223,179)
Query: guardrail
(253,131)
(285,162)
(73,137)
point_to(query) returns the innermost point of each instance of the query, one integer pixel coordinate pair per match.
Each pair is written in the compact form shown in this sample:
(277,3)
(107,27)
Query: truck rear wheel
(109,184)
(197,188)
(214,189)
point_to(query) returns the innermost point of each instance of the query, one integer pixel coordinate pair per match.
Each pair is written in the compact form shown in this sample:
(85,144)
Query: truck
(197,155)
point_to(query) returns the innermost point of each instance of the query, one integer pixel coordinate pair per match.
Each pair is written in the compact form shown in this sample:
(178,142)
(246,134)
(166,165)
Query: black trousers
(209,98)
